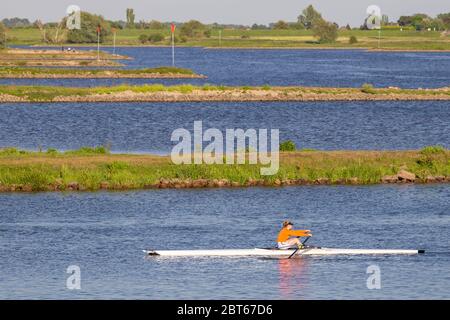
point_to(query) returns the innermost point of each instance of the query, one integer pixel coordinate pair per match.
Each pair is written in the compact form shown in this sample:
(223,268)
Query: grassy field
(95,168)
(187,92)
(159,72)
(368,39)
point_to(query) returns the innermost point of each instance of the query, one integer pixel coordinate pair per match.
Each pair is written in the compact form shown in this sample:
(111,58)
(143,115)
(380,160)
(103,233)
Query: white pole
(379,37)
(98,46)
(173,49)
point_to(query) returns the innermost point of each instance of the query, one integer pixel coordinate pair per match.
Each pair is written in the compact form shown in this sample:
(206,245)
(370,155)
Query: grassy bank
(160,72)
(95,168)
(183,93)
(235,38)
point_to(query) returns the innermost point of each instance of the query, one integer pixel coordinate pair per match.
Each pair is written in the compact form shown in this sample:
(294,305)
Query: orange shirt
(285,233)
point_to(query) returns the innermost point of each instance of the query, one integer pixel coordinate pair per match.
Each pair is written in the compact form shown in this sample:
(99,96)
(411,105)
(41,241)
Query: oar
(303,243)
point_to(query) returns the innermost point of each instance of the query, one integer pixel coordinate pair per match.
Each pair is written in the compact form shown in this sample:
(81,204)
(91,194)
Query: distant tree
(142,24)
(259,27)
(2,35)
(327,32)
(419,21)
(16,23)
(38,24)
(281,25)
(384,20)
(437,24)
(155,25)
(118,24)
(348,27)
(130,18)
(309,17)
(404,21)
(88,31)
(192,29)
(445,18)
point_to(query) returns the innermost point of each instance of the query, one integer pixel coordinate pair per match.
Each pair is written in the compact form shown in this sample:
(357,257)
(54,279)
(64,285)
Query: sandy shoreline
(241,95)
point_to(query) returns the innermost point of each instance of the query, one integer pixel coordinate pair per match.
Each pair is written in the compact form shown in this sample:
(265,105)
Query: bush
(192,29)
(155,25)
(178,39)
(281,25)
(143,38)
(9,151)
(156,37)
(90,150)
(326,32)
(352,40)
(207,33)
(429,150)
(288,145)
(368,88)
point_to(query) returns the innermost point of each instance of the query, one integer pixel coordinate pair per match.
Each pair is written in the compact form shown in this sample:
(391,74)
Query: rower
(288,238)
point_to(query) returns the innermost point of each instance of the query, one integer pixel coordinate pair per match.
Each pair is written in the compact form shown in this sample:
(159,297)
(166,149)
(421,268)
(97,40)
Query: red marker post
(172,29)
(114,40)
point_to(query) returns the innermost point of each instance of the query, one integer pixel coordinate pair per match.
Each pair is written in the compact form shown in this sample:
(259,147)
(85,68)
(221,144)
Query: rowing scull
(269,252)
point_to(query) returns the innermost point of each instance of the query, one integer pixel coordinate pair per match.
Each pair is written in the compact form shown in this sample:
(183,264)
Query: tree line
(309,19)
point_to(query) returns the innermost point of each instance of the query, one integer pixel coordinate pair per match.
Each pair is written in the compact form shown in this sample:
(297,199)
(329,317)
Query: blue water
(341,68)
(103,233)
(147,127)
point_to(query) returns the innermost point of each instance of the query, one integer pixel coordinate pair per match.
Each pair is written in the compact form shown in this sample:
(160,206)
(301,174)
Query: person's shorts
(286,245)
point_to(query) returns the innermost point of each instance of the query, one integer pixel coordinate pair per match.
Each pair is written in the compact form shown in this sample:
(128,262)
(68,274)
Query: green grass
(60,71)
(48,93)
(390,39)
(90,168)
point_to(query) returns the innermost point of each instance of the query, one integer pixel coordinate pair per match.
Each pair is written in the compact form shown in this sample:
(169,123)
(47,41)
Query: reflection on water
(292,275)
(104,233)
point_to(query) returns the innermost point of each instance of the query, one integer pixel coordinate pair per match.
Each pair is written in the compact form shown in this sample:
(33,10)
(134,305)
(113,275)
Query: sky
(244,12)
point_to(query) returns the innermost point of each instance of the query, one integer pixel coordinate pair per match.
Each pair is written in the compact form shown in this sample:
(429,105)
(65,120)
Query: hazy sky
(225,11)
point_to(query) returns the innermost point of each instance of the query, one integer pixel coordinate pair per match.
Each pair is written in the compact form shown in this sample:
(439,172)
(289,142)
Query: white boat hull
(277,253)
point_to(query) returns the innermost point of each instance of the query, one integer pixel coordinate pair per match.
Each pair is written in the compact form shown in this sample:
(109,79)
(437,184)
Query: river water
(245,67)
(147,127)
(103,234)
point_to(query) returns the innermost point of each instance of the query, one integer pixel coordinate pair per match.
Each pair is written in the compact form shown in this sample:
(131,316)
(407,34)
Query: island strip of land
(97,169)
(56,73)
(208,93)
(58,58)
